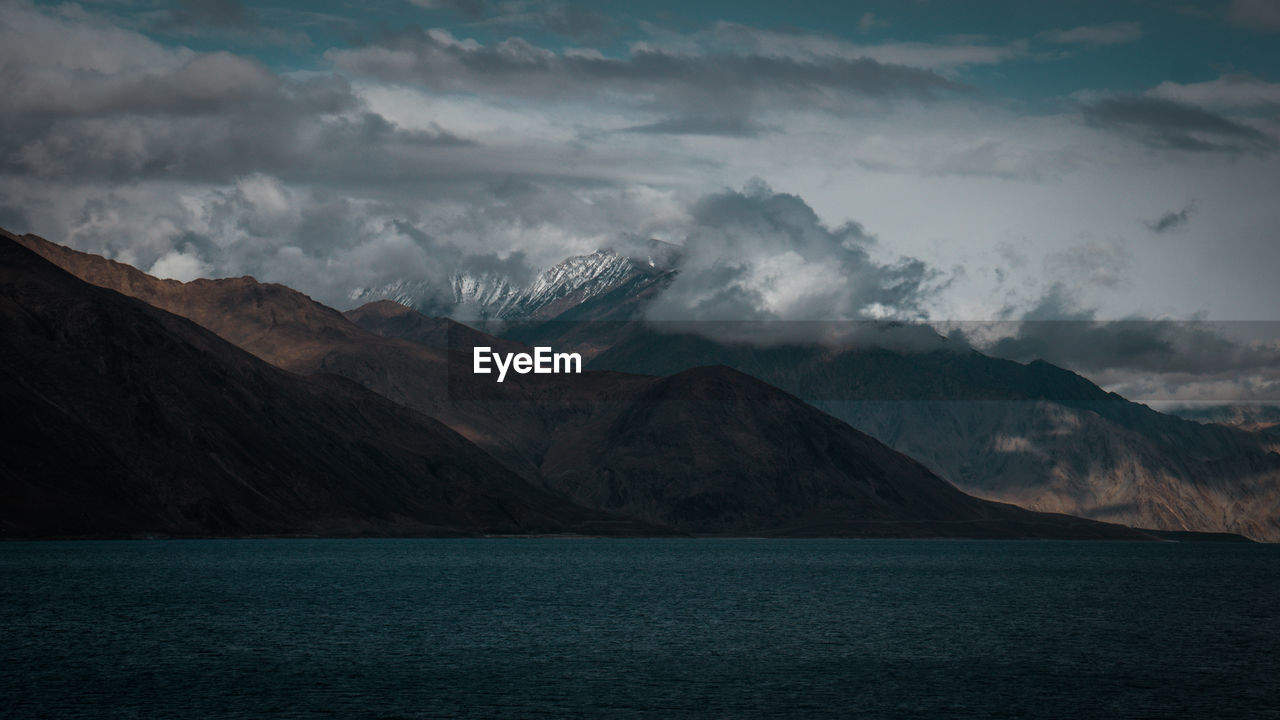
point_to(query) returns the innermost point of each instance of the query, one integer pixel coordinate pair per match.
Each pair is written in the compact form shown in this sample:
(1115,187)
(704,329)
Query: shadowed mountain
(122,419)
(707,451)
(1031,434)
(715,451)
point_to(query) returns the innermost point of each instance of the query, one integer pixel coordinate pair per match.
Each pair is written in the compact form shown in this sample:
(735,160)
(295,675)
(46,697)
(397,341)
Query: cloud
(201,14)
(1261,15)
(647,79)
(473,9)
(68,40)
(1232,91)
(506,156)
(1169,124)
(199,84)
(220,18)
(703,125)
(869,22)
(757,255)
(1154,346)
(567,20)
(107,103)
(738,39)
(337,150)
(1156,360)
(328,242)
(183,265)
(1091,264)
(1113,33)
(1172,220)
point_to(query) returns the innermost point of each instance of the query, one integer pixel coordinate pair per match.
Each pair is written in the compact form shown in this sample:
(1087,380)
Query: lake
(671,628)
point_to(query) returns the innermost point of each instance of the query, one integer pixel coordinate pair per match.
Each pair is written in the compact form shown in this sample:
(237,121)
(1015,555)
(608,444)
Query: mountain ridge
(573,435)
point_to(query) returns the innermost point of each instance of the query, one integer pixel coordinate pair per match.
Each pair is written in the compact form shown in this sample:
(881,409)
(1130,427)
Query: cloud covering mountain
(936,164)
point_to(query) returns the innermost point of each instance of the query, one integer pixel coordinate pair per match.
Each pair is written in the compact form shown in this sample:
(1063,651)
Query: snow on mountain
(554,290)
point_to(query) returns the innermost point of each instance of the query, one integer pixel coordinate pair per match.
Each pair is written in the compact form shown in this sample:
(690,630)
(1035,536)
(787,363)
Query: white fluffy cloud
(760,255)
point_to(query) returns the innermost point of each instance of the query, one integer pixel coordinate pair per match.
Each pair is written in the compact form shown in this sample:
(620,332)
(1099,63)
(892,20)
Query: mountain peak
(560,287)
(381,309)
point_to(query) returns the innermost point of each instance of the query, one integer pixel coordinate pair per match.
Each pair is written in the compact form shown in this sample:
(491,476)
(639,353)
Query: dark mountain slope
(813,476)
(276,323)
(123,419)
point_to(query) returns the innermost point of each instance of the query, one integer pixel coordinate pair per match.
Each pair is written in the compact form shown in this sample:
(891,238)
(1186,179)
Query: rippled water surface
(637,628)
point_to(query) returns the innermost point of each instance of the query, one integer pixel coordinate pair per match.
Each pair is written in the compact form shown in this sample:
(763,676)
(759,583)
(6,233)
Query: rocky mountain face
(564,286)
(122,419)
(709,450)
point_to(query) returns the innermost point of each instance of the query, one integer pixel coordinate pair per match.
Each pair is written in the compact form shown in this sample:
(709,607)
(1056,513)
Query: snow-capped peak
(555,289)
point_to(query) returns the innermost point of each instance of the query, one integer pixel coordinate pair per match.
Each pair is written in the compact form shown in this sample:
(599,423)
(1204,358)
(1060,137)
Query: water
(637,628)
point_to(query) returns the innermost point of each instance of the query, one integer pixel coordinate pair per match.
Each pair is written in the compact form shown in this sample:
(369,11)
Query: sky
(1110,164)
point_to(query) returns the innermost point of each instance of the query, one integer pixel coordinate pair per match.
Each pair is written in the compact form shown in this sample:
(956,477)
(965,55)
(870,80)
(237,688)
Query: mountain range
(1031,434)
(185,420)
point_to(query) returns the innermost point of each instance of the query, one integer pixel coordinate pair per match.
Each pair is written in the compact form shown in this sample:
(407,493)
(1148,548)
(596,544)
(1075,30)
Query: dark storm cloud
(649,79)
(220,147)
(1170,124)
(112,105)
(203,84)
(149,112)
(1171,220)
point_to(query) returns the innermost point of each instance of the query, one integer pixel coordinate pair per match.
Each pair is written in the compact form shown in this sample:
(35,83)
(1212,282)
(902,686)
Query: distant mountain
(712,450)
(1258,418)
(1030,434)
(705,451)
(562,287)
(121,419)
